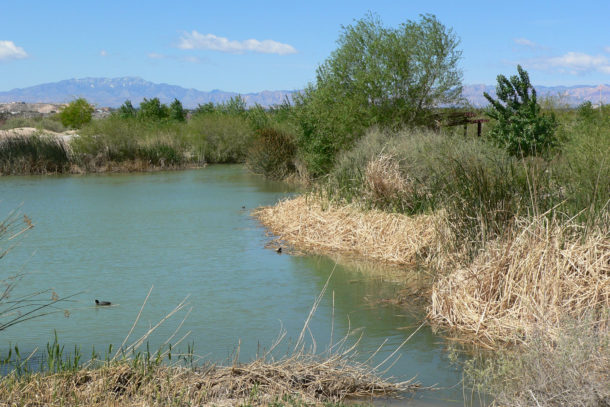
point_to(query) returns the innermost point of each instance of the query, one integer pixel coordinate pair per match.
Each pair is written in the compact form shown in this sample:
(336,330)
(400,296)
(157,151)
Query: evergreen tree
(520,126)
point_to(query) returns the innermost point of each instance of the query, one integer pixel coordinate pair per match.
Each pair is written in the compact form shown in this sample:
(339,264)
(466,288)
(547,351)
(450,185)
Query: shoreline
(474,299)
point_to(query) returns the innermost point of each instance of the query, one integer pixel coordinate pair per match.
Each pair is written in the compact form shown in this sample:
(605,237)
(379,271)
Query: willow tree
(377,76)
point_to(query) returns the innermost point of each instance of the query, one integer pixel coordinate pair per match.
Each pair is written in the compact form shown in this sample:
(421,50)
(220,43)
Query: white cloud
(579,62)
(607,49)
(195,40)
(526,43)
(192,59)
(103,53)
(8,50)
(154,55)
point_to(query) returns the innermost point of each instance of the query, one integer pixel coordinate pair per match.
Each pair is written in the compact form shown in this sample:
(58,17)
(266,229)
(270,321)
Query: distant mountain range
(112,92)
(561,95)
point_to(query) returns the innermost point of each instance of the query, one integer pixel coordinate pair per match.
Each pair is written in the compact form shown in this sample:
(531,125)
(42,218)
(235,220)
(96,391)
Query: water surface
(186,233)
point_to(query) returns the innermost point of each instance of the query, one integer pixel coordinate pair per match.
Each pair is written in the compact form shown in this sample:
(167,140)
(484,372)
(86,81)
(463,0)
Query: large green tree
(377,76)
(77,113)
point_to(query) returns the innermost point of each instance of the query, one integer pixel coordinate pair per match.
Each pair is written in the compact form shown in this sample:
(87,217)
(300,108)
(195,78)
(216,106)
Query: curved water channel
(185,233)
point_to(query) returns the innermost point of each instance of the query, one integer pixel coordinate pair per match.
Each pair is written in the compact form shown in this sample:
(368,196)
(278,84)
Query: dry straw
(543,272)
(315,225)
(306,379)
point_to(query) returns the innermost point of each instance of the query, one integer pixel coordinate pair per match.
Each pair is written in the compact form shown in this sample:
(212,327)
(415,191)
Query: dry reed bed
(317,226)
(305,379)
(543,272)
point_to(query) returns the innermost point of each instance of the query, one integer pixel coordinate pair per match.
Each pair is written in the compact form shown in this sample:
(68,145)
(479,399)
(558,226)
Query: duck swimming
(102,303)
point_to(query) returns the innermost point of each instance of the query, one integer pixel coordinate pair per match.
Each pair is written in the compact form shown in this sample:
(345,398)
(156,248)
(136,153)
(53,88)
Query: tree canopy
(378,76)
(77,113)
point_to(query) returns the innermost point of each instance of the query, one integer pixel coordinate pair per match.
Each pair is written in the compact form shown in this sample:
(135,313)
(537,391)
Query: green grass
(42,123)
(36,154)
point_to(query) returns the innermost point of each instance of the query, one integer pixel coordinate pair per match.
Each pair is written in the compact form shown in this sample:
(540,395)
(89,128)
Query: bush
(76,114)
(272,154)
(521,128)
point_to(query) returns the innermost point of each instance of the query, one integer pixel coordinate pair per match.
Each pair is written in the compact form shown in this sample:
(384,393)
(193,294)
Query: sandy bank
(65,136)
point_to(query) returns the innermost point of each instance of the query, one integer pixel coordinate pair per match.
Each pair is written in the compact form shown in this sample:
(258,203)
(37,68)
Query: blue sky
(250,46)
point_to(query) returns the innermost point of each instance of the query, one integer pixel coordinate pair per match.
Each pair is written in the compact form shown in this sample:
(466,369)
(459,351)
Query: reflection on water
(185,233)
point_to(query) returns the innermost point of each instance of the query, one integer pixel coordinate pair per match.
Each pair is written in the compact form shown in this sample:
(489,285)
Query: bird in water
(102,303)
(279,250)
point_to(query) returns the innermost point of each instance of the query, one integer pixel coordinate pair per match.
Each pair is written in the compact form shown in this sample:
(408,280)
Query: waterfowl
(102,303)
(279,250)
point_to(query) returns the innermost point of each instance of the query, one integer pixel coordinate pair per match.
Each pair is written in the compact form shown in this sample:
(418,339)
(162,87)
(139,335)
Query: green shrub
(581,172)
(52,123)
(272,154)
(76,114)
(520,126)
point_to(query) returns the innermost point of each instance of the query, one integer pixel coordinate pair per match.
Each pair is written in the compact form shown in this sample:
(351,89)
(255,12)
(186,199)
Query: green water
(185,233)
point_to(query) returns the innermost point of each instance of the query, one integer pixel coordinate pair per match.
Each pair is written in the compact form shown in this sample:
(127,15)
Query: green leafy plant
(77,113)
(521,127)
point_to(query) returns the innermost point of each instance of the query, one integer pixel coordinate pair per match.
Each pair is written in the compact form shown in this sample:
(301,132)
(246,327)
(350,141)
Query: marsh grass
(51,123)
(544,270)
(572,369)
(116,143)
(320,226)
(34,154)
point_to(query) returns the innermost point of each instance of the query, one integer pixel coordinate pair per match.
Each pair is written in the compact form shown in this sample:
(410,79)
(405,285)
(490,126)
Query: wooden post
(479,125)
(465,129)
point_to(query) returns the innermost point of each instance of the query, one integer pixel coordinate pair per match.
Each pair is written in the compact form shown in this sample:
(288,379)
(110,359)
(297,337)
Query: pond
(189,233)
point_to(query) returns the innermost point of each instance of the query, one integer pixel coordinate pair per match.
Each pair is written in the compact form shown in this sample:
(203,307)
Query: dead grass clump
(314,225)
(384,183)
(307,379)
(542,272)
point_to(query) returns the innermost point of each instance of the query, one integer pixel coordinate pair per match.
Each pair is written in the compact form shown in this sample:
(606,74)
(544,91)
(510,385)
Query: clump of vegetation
(572,369)
(52,123)
(520,125)
(298,380)
(272,154)
(34,154)
(316,225)
(78,113)
(540,272)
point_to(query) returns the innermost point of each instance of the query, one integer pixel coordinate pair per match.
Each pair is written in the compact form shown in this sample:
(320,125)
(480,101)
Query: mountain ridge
(112,92)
